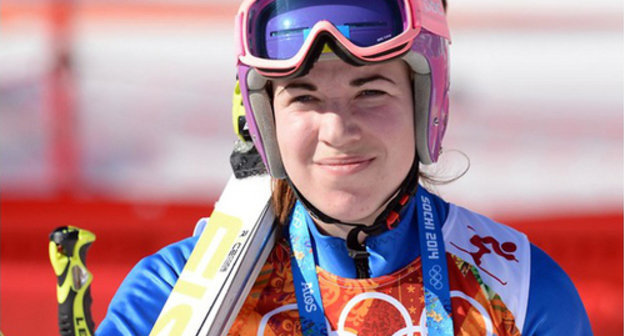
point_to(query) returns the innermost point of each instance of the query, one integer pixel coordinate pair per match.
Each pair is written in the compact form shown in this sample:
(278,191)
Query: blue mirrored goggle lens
(279,29)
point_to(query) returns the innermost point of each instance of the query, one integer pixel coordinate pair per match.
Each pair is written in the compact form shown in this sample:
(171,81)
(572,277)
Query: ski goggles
(278,37)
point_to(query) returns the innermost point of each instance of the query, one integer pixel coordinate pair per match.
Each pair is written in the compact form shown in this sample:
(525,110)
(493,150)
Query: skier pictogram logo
(505,250)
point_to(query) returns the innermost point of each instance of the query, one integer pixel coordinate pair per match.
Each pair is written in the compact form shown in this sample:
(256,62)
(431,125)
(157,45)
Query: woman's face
(346,135)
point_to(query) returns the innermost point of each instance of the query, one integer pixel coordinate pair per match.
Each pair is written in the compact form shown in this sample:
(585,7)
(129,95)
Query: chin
(350,210)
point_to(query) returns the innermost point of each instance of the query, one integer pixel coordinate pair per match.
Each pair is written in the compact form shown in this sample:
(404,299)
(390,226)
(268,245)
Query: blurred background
(115,117)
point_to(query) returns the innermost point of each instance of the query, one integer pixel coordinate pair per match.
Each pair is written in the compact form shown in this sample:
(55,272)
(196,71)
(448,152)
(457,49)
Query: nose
(338,127)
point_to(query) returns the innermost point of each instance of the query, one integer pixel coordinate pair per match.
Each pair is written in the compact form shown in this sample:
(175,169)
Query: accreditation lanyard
(305,279)
(434,271)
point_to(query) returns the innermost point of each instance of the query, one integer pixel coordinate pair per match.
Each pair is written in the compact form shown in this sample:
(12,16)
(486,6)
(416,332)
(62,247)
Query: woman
(344,99)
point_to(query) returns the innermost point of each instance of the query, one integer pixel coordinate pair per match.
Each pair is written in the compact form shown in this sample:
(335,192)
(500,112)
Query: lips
(344,165)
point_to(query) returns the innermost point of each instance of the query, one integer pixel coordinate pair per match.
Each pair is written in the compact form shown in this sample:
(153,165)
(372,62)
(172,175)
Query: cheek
(396,133)
(295,138)
(394,126)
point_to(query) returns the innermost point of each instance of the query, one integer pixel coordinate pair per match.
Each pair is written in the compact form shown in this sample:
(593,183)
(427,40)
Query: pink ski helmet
(283,38)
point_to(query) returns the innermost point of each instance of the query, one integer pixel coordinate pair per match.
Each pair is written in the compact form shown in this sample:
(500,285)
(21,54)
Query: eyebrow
(355,83)
(362,81)
(300,85)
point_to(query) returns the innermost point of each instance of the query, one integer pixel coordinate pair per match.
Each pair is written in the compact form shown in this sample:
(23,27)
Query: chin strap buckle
(360,257)
(392,221)
(358,253)
(393,218)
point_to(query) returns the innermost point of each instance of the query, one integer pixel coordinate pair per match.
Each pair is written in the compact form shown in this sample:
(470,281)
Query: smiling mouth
(344,166)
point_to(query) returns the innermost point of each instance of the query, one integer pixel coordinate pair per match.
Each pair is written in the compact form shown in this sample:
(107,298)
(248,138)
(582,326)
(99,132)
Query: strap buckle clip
(358,254)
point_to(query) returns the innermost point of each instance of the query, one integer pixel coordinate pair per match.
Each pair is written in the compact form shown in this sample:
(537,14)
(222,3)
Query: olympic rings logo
(409,329)
(435,277)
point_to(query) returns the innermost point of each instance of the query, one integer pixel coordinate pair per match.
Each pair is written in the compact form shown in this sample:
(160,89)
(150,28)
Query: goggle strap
(432,17)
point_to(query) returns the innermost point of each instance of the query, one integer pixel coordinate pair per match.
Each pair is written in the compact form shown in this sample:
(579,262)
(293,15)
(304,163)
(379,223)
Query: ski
(224,264)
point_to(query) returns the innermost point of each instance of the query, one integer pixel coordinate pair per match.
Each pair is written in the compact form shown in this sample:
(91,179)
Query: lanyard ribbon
(434,269)
(307,289)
